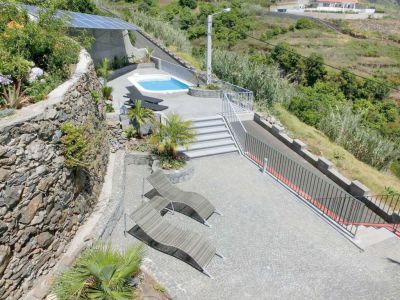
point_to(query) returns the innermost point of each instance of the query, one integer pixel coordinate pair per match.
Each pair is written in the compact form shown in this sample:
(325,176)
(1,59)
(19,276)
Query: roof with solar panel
(80,20)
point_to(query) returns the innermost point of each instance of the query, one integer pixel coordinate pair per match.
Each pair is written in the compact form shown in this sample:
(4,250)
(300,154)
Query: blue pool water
(163,85)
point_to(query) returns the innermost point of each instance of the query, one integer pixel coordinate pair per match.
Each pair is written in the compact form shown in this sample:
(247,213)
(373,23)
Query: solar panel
(81,20)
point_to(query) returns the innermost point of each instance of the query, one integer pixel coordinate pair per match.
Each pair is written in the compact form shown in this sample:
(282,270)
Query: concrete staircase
(212,137)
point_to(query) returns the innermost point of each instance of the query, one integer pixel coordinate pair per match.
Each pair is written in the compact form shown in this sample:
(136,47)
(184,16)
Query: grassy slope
(344,161)
(364,56)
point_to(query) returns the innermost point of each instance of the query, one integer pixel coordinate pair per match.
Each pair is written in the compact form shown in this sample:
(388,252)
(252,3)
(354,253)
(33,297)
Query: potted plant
(139,116)
(169,137)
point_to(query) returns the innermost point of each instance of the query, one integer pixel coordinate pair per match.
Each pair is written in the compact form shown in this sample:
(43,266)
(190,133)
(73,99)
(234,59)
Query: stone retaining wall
(43,203)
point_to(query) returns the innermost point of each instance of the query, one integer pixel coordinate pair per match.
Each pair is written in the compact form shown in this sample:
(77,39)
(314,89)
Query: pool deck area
(180,102)
(275,246)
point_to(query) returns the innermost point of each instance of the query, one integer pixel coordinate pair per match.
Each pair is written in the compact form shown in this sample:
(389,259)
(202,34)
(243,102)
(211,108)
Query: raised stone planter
(199,92)
(176,176)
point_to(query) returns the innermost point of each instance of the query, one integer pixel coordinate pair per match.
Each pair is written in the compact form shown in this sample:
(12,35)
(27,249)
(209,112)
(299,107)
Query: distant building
(341,4)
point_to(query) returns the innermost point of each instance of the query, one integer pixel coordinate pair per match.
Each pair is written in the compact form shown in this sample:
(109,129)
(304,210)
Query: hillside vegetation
(282,61)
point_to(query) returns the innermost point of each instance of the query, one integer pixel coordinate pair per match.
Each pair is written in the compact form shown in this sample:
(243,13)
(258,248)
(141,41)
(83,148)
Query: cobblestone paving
(275,246)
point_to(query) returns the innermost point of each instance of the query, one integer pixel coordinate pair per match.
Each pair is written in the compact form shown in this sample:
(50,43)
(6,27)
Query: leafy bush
(264,80)
(188,3)
(109,108)
(345,129)
(75,145)
(313,103)
(304,23)
(100,273)
(130,132)
(42,43)
(107,90)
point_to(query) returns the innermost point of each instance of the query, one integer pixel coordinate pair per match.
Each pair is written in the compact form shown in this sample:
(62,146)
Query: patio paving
(182,103)
(276,247)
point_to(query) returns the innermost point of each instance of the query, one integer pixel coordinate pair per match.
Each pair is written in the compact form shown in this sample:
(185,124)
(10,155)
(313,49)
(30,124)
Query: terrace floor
(182,103)
(275,246)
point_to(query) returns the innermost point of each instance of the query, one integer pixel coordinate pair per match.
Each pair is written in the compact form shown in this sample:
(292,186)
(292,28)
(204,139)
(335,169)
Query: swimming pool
(159,83)
(170,84)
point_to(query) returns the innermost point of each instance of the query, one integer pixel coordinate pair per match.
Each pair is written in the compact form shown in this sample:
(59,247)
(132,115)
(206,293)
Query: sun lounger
(160,234)
(189,203)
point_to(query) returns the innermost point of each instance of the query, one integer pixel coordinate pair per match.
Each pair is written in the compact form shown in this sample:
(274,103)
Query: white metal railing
(230,114)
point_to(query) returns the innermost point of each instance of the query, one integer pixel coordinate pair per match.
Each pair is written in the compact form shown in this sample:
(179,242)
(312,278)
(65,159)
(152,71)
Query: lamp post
(209,41)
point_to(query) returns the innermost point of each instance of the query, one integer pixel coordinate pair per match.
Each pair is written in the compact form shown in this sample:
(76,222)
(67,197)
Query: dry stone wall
(42,202)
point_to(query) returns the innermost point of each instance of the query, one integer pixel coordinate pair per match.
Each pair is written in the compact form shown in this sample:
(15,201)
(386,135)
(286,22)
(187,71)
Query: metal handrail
(234,123)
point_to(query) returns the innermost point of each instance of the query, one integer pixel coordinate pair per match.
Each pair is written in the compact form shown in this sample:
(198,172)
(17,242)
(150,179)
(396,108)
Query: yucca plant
(176,132)
(104,70)
(100,273)
(139,116)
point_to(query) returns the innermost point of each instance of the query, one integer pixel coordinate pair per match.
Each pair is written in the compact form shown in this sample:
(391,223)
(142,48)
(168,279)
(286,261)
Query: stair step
(210,123)
(210,151)
(208,144)
(204,119)
(213,136)
(214,129)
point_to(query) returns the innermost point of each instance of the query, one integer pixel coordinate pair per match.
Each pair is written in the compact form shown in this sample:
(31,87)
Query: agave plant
(139,115)
(14,95)
(100,273)
(176,132)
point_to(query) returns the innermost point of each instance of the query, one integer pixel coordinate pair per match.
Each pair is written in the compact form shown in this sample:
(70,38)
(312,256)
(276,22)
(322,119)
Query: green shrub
(188,3)
(100,273)
(395,168)
(95,96)
(109,108)
(75,145)
(107,90)
(313,103)
(264,80)
(304,23)
(130,132)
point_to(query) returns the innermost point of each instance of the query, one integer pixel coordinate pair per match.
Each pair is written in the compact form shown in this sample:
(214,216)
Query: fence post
(265,165)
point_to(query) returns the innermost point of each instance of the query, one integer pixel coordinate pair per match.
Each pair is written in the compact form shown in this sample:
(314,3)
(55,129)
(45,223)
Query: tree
(139,115)
(289,61)
(314,68)
(348,84)
(176,132)
(100,273)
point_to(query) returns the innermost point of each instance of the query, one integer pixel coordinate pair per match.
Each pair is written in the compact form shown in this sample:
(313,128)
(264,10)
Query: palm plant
(100,273)
(176,132)
(139,115)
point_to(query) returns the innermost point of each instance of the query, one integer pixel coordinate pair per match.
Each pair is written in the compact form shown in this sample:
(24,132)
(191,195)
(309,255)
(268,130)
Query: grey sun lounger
(188,203)
(160,234)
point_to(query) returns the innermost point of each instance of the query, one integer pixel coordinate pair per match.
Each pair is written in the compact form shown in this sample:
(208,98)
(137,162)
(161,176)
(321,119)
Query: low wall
(354,188)
(42,202)
(198,92)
